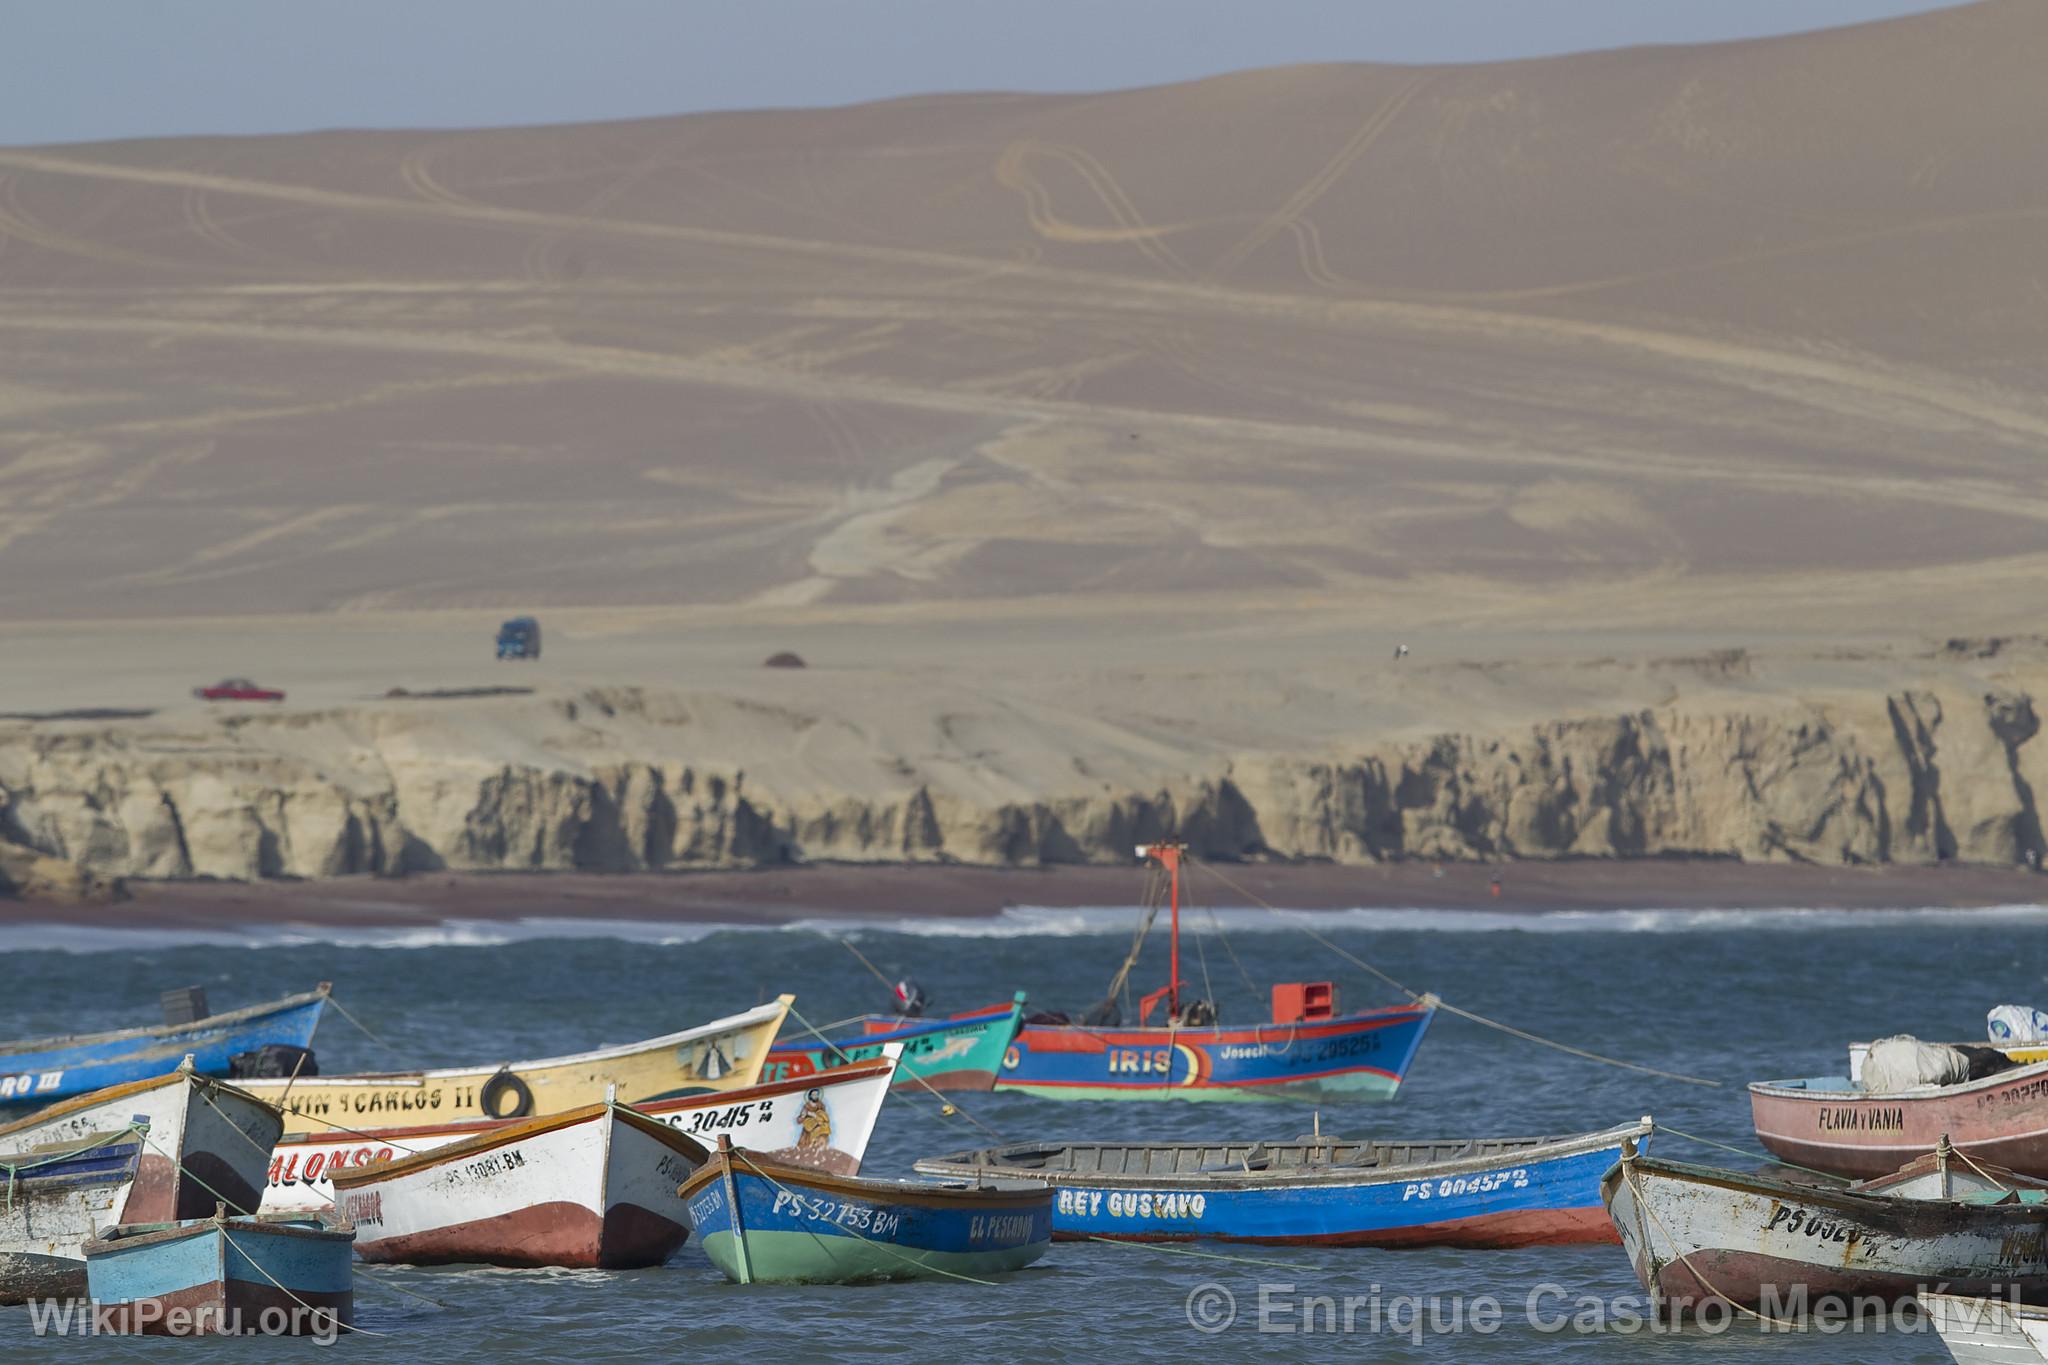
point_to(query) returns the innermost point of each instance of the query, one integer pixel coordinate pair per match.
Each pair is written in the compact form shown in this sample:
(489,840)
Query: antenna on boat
(1168,856)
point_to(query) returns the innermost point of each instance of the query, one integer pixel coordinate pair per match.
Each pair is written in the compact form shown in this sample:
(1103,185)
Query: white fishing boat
(822,1122)
(207,1142)
(1698,1236)
(593,1188)
(57,1200)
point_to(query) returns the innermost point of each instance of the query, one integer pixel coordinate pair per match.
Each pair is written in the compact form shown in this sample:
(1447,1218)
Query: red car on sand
(237,689)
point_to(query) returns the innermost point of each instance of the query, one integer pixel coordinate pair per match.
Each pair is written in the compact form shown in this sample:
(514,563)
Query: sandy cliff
(630,779)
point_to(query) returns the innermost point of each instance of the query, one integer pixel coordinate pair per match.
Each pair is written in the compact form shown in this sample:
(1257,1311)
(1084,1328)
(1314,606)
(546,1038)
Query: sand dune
(1756,314)
(1037,409)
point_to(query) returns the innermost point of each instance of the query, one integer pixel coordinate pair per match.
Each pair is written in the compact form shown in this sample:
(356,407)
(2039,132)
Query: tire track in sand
(1320,184)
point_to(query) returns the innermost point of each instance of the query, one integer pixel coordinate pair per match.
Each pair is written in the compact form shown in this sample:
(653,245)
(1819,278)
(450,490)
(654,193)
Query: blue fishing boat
(1307,1049)
(761,1220)
(1319,1189)
(39,1070)
(288,1276)
(55,1200)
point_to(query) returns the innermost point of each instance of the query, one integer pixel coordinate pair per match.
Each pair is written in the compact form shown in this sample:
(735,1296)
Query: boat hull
(721,1056)
(593,1189)
(207,1142)
(794,1226)
(1829,1125)
(1356,1056)
(223,1277)
(1988,1331)
(1697,1236)
(45,1070)
(51,1210)
(1544,1193)
(823,1122)
(959,1054)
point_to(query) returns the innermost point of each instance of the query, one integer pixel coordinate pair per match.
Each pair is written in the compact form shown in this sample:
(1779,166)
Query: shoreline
(864,891)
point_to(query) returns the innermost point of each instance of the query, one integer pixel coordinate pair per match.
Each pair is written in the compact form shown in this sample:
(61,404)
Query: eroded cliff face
(620,780)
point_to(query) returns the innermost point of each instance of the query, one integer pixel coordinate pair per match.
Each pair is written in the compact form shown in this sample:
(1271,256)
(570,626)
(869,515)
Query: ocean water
(1733,996)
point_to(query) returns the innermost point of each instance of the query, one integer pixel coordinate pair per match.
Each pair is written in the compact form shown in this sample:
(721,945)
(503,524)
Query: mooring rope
(1754,1156)
(1447,1006)
(1203,1255)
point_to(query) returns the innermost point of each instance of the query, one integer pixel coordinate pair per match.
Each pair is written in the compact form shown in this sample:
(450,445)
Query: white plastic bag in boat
(1903,1062)
(2015,1024)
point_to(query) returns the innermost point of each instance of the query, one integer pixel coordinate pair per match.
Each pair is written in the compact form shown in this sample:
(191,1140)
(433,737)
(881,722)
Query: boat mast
(1168,857)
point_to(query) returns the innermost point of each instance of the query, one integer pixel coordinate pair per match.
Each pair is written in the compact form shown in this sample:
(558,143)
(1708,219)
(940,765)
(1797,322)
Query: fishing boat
(43,1070)
(1318,1189)
(724,1055)
(206,1142)
(1997,1331)
(223,1276)
(764,1220)
(962,1052)
(1307,1050)
(1829,1123)
(823,1122)
(594,1188)
(1697,1235)
(57,1199)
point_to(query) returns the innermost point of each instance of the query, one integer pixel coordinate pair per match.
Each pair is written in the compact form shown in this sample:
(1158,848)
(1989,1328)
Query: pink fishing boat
(1828,1124)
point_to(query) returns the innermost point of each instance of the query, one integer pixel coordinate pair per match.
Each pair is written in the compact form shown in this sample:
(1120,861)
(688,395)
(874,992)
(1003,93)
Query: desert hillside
(1123,423)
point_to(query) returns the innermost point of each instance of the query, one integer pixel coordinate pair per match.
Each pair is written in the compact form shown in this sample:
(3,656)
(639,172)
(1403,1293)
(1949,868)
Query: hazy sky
(82,69)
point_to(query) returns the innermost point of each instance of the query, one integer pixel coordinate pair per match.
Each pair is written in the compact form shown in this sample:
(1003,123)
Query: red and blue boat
(1319,1190)
(1307,1050)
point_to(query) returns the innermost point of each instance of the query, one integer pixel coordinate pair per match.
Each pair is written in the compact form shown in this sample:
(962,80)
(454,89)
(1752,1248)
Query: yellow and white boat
(725,1054)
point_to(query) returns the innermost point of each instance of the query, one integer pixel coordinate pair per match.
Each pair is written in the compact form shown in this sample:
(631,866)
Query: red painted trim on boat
(557,1233)
(1486,1231)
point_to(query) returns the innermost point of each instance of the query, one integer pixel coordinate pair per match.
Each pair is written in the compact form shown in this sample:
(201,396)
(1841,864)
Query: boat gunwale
(871,1190)
(166,1233)
(1302,1028)
(411,1163)
(1318,1177)
(852,1074)
(731,1023)
(1844,1200)
(247,1012)
(212,1086)
(1796,1088)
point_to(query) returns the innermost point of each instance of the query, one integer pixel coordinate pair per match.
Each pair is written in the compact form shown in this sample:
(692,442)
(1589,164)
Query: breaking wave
(1016,922)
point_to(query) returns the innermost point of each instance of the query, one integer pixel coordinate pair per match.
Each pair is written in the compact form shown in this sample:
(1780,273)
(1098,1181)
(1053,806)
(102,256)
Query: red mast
(1168,856)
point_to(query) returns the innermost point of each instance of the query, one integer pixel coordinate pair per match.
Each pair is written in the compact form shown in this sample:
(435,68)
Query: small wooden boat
(56,1200)
(223,1276)
(1697,1235)
(962,1052)
(1319,1189)
(43,1070)
(1306,1051)
(764,1220)
(1828,1123)
(594,1188)
(823,1122)
(726,1054)
(2001,1331)
(207,1142)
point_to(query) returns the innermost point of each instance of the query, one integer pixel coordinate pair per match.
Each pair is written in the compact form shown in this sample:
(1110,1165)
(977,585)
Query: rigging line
(360,1025)
(1243,975)
(1462,1013)
(847,944)
(1754,1156)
